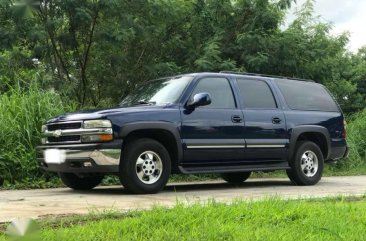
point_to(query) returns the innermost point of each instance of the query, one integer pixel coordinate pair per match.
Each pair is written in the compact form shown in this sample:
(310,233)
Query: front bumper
(84,158)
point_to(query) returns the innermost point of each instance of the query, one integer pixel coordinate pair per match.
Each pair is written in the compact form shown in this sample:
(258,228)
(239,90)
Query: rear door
(265,125)
(213,133)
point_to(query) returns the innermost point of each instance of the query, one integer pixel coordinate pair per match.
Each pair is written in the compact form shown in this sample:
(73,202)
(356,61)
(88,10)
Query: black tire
(128,169)
(296,174)
(237,177)
(80,183)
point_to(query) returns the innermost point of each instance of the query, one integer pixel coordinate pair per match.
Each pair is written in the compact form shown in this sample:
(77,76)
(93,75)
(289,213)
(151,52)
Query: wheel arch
(166,133)
(317,134)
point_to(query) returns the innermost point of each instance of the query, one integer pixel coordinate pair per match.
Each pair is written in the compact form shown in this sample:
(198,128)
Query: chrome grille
(63,139)
(70,132)
(74,125)
(64,126)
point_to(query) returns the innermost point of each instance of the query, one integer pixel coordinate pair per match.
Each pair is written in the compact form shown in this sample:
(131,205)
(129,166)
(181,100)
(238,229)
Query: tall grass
(22,113)
(356,132)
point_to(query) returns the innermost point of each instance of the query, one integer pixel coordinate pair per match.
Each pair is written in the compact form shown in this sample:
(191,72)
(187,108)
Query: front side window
(256,94)
(219,90)
(160,91)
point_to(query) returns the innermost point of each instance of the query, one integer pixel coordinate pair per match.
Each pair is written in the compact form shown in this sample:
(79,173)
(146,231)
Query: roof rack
(265,75)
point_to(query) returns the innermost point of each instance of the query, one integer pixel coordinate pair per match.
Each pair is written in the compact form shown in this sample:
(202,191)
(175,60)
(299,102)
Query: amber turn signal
(105,137)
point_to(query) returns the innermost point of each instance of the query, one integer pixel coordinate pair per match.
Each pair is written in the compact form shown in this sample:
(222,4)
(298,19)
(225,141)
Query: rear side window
(219,90)
(256,94)
(306,96)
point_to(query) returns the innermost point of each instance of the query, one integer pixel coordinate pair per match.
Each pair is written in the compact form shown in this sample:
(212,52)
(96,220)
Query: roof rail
(265,75)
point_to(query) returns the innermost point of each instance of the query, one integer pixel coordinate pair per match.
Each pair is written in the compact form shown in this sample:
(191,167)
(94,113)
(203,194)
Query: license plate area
(54,156)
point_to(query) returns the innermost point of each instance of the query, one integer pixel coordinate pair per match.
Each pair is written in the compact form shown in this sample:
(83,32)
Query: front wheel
(307,165)
(145,166)
(75,182)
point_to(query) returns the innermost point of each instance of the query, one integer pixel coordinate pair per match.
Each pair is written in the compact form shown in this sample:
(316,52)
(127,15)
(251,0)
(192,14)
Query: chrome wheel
(149,167)
(309,163)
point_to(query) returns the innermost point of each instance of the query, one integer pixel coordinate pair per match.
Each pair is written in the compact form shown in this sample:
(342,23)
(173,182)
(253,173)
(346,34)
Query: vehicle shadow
(192,187)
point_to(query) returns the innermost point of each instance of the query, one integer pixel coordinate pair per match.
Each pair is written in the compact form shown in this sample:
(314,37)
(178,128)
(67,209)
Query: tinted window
(306,96)
(256,94)
(219,90)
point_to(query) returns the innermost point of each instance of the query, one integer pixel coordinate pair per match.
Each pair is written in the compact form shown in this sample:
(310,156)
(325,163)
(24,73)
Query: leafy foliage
(356,131)
(96,51)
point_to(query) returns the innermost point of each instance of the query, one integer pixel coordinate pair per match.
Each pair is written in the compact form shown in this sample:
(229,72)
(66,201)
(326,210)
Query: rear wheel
(73,181)
(307,164)
(237,177)
(145,166)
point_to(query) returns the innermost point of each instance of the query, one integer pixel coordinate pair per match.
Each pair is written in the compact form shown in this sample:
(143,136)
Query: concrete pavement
(63,201)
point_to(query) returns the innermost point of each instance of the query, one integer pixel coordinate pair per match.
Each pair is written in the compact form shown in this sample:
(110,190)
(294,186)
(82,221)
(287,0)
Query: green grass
(23,110)
(356,132)
(272,219)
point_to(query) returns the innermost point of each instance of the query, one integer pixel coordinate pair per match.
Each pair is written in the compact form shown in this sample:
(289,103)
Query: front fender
(154,125)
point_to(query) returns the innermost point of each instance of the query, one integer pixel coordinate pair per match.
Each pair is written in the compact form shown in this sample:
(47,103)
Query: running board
(238,168)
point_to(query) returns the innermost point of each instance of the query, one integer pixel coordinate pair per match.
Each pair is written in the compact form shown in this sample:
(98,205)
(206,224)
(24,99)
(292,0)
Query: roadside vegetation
(22,112)
(70,55)
(272,219)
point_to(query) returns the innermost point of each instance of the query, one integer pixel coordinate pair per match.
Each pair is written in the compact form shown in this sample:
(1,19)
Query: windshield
(160,91)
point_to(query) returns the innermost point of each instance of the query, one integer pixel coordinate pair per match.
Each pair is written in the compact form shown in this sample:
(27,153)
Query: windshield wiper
(145,102)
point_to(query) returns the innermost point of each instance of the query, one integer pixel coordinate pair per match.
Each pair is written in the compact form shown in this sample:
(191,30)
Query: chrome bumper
(104,157)
(84,158)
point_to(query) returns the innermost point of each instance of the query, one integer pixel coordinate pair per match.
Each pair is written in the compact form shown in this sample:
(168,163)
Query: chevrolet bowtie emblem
(57,133)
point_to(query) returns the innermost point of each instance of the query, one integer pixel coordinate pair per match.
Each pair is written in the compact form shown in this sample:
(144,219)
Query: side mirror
(200,99)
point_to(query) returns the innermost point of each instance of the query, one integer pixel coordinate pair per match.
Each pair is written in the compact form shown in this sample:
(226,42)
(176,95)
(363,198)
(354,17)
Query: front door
(213,133)
(265,125)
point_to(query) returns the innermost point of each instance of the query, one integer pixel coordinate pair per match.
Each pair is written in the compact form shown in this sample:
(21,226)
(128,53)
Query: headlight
(97,124)
(44,128)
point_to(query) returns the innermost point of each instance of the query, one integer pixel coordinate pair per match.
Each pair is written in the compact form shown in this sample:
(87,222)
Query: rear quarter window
(306,96)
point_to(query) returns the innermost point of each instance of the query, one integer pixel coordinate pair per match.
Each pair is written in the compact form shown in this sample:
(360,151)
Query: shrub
(356,132)
(22,114)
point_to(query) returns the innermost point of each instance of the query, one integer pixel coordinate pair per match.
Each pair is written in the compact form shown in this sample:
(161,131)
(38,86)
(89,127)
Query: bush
(22,113)
(356,132)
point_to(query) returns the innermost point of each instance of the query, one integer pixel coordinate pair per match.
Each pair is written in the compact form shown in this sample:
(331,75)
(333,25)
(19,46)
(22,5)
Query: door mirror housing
(200,99)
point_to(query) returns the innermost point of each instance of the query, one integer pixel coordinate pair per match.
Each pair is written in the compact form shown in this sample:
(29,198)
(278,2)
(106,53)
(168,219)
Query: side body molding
(154,125)
(297,131)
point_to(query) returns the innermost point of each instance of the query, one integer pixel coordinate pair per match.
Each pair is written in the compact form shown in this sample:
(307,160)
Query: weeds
(22,114)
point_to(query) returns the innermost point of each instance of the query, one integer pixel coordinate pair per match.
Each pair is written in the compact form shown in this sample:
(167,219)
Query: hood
(103,113)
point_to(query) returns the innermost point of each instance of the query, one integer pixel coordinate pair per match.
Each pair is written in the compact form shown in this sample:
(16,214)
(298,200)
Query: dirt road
(48,202)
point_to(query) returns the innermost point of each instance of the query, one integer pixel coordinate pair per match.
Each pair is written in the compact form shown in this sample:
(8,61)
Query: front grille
(63,139)
(64,126)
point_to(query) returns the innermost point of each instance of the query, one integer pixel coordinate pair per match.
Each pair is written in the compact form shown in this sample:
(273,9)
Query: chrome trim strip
(234,146)
(63,142)
(265,146)
(72,132)
(214,146)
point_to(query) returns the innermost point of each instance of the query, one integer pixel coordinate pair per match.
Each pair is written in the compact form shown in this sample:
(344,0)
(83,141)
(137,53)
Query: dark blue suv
(227,123)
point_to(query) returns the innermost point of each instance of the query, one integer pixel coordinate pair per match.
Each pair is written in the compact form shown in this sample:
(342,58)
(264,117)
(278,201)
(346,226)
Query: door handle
(276,120)
(236,119)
